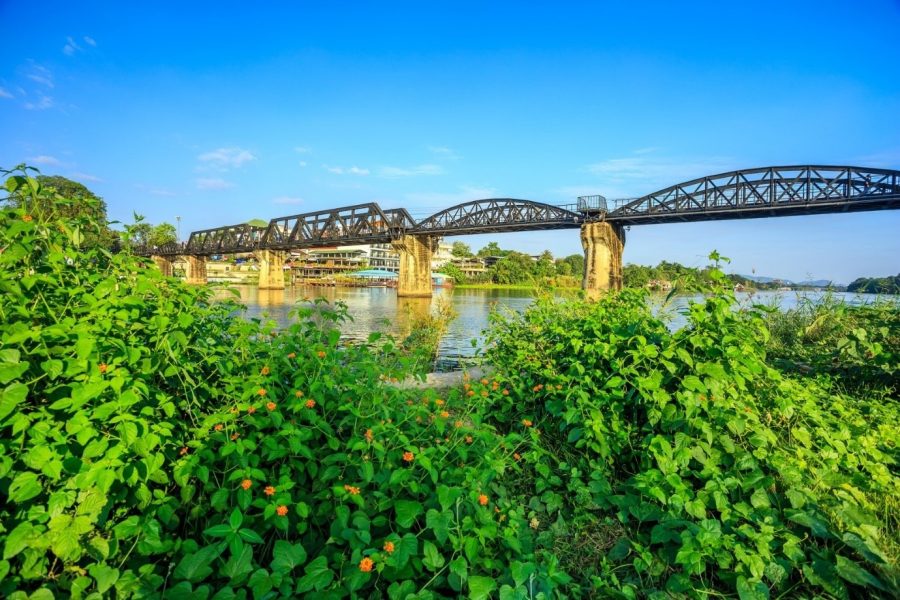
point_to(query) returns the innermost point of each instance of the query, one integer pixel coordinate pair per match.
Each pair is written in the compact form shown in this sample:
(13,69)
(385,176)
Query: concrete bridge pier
(415,264)
(195,273)
(271,269)
(603,244)
(165,265)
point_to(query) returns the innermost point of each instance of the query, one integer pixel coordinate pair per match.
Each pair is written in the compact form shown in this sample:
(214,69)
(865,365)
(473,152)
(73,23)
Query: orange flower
(439,402)
(184,450)
(457,424)
(466,386)
(269,490)
(270,405)
(281,510)
(468,439)
(538,387)
(234,436)
(292,355)
(103,367)
(517,456)
(389,547)
(484,393)
(506,392)
(246,484)
(445,414)
(261,392)
(470,393)
(495,385)
(369,436)
(310,403)
(26,218)
(264,371)
(251,409)
(408,456)
(482,499)
(484,382)
(352,490)
(298,394)
(366,564)
(527,422)
(320,354)
(218,427)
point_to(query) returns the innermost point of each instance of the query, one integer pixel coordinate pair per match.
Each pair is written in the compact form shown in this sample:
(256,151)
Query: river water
(379,309)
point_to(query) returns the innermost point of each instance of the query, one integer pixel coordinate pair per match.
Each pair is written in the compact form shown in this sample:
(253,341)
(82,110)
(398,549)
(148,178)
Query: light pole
(178,229)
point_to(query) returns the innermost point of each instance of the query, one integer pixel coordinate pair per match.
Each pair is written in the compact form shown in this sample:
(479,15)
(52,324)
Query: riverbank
(516,286)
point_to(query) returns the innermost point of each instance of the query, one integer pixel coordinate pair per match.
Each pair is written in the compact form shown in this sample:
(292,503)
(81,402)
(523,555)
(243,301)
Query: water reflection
(379,309)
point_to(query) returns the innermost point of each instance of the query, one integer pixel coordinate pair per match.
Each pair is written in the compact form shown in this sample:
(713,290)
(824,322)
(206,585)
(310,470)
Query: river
(379,309)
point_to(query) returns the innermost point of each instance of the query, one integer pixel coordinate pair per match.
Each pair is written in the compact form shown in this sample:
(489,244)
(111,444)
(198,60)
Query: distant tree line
(876,285)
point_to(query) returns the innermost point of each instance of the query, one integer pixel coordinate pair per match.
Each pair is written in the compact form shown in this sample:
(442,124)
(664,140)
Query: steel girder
(766,192)
(495,215)
(224,240)
(359,224)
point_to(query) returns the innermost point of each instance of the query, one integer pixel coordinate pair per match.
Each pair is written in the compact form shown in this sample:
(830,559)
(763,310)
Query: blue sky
(219,114)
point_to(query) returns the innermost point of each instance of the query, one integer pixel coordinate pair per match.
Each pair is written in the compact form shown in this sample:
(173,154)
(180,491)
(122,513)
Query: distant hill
(876,285)
(807,283)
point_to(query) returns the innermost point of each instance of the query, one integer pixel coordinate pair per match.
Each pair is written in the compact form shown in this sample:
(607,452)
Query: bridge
(749,193)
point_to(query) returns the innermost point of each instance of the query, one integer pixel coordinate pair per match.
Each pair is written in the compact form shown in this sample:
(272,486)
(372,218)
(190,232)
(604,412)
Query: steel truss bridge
(762,192)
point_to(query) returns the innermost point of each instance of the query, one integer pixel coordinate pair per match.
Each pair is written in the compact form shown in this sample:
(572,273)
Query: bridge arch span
(493,215)
(766,192)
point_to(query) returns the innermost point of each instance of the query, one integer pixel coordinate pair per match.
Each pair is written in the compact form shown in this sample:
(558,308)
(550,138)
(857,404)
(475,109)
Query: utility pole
(178,229)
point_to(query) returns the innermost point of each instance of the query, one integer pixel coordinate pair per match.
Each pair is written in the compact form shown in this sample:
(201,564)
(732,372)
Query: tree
(492,249)
(162,234)
(70,201)
(461,250)
(455,272)
(544,266)
(515,267)
(572,265)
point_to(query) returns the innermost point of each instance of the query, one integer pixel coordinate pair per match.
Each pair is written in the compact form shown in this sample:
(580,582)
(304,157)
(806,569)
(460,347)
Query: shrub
(684,464)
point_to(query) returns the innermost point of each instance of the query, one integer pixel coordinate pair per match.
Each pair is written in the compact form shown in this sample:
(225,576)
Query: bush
(684,464)
(156,444)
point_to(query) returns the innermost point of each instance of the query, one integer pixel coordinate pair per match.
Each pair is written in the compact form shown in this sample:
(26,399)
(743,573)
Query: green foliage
(141,233)
(682,464)
(154,444)
(67,200)
(461,250)
(857,348)
(876,285)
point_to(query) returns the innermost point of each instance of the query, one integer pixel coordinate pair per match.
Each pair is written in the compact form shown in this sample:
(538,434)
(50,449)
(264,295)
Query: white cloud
(302,163)
(43,103)
(225,158)
(647,150)
(41,75)
(213,183)
(392,172)
(161,192)
(45,159)
(89,40)
(302,149)
(287,200)
(346,171)
(443,152)
(71,47)
(85,177)
(4,93)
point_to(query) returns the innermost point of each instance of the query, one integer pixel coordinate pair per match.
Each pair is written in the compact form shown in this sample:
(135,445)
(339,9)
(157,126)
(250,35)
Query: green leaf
(260,583)
(439,523)
(316,576)
(11,397)
(250,536)
(286,556)
(236,518)
(853,573)
(18,539)
(407,511)
(239,564)
(751,590)
(521,572)
(220,530)
(105,576)
(460,568)
(431,557)
(480,588)
(195,567)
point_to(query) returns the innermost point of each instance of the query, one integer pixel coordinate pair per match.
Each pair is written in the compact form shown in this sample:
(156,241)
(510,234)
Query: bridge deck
(750,193)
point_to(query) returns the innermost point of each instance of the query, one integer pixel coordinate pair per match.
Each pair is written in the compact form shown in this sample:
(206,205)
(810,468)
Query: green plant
(687,464)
